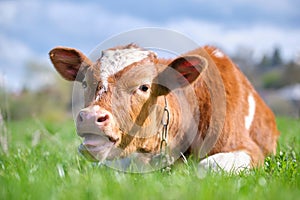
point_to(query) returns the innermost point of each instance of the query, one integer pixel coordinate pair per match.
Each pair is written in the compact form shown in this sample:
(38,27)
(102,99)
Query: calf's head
(123,94)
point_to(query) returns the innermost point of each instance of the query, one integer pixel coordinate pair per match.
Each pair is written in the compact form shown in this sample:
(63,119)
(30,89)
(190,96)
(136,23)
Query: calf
(133,105)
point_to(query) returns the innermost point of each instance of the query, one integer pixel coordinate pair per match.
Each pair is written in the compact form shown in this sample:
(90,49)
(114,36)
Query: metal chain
(164,134)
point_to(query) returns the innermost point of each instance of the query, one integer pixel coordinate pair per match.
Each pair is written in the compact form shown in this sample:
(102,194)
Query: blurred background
(262,37)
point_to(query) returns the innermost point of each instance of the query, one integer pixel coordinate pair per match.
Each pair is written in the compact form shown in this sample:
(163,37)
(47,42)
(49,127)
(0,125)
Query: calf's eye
(144,88)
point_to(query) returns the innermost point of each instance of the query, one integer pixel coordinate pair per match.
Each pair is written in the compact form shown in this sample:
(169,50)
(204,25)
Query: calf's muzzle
(93,120)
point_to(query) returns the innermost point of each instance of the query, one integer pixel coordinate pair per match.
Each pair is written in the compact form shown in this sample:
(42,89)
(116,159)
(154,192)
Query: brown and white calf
(126,91)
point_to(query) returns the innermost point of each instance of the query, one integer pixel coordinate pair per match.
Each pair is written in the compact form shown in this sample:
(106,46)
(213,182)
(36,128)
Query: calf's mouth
(95,147)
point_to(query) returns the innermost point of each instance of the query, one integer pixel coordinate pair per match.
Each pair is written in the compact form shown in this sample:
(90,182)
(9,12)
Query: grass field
(42,163)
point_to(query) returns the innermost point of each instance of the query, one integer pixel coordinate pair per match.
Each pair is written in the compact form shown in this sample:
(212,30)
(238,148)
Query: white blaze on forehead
(251,111)
(113,61)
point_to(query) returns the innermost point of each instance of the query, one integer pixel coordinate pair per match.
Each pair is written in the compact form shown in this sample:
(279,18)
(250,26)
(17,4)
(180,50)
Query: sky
(29,29)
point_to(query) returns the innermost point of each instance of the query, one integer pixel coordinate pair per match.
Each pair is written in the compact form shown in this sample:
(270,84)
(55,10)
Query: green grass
(43,163)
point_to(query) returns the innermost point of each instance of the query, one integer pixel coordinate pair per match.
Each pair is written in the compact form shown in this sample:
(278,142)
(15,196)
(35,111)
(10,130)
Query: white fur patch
(113,61)
(251,112)
(218,53)
(229,162)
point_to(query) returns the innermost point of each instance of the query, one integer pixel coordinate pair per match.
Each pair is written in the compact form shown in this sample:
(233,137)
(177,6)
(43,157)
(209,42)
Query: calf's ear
(189,67)
(181,72)
(69,62)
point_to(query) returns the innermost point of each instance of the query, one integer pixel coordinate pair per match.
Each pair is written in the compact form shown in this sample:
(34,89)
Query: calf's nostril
(102,118)
(80,118)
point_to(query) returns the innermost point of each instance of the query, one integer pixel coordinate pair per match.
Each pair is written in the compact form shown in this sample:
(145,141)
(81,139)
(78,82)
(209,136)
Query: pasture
(42,163)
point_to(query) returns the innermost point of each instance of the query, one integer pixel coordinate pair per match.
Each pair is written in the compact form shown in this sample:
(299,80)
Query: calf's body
(126,91)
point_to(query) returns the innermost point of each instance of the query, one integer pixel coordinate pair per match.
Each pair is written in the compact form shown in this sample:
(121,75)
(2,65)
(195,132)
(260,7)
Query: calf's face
(123,94)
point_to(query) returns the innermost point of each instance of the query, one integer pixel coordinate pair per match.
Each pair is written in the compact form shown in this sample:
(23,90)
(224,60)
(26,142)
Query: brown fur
(261,139)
